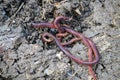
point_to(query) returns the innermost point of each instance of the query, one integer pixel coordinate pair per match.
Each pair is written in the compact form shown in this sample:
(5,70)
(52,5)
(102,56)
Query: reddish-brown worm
(68,53)
(90,69)
(90,54)
(86,41)
(57,22)
(58,19)
(42,25)
(54,25)
(94,48)
(96,54)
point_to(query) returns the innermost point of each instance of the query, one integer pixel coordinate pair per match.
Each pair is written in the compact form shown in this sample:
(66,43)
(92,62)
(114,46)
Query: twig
(12,17)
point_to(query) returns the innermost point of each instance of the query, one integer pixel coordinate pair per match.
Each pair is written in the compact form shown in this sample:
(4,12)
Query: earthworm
(42,25)
(90,69)
(58,19)
(89,44)
(92,45)
(57,22)
(93,54)
(45,39)
(90,63)
(50,25)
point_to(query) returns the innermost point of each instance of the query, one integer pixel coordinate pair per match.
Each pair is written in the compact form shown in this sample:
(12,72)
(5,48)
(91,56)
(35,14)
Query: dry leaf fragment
(78,11)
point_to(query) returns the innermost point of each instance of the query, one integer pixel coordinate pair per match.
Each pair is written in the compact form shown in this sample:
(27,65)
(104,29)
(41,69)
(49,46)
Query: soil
(24,56)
